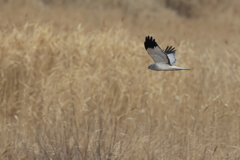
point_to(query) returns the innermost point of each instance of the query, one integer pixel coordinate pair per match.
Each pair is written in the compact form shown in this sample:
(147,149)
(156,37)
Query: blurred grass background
(75,84)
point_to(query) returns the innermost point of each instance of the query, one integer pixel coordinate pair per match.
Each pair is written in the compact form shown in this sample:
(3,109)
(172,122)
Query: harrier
(164,59)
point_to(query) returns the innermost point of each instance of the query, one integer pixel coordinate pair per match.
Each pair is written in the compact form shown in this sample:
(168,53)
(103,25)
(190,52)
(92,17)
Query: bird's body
(164,67)
(164,60)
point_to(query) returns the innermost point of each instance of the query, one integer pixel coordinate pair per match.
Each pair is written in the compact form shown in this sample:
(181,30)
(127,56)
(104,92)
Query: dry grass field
(75,84)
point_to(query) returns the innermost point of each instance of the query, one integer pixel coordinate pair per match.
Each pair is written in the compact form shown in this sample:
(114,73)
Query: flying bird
(164,59)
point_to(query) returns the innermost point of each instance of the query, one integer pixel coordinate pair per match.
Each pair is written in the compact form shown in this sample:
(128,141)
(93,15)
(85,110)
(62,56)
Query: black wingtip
(170,49)
(150,42)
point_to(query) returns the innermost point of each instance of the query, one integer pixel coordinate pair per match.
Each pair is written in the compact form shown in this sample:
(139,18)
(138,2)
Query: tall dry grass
(75,84)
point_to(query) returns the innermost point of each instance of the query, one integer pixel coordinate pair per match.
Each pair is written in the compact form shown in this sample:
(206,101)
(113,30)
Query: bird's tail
(179,68)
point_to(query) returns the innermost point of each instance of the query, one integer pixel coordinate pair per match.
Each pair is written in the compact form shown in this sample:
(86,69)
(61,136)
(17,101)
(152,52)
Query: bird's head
(151,66)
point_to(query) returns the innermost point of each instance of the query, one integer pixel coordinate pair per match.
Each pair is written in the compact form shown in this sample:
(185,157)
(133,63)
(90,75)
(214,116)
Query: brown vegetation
(75,84)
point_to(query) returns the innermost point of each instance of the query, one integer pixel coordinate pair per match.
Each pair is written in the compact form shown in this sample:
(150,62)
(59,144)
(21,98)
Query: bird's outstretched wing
(155,51)
(170,51)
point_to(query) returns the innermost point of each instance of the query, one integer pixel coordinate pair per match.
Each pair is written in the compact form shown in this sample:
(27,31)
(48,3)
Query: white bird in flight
(164,60)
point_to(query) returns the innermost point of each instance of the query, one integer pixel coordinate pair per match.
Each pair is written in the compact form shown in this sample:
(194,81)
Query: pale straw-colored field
(75,82)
